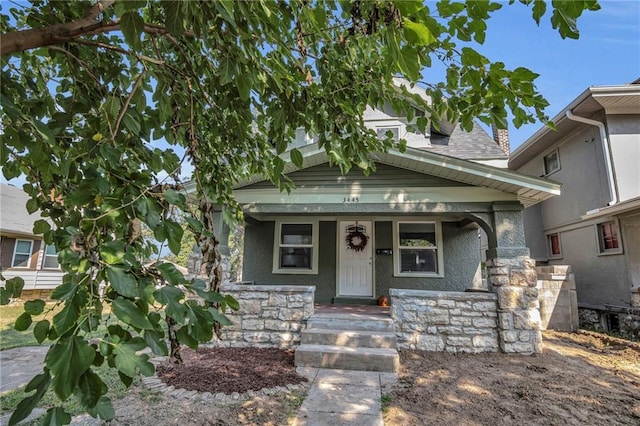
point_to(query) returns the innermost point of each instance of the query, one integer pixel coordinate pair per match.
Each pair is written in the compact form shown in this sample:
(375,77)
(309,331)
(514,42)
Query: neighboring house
(22,253)
(594,226)
(412,224)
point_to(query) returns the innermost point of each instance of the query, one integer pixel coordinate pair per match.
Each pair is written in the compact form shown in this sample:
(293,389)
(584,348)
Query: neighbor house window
(419,248)
(382,132)
(608,237)
(22,254)
(551,163)
(553,245)
(50,258)
(296,248)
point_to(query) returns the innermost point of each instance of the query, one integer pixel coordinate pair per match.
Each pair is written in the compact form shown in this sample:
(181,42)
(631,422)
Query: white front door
(355,258)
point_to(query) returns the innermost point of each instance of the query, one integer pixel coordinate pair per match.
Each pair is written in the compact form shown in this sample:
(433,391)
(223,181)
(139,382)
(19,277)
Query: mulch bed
(230,370)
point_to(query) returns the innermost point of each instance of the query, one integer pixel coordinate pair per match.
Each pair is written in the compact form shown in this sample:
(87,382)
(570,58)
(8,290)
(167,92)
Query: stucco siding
(600,279)
(461,253)
(624,135)
(630,225)
(533,232)
(258,260)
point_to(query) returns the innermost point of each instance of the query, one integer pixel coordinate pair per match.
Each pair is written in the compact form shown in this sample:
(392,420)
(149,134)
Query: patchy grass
(385,402)
(12,338)
(10,400)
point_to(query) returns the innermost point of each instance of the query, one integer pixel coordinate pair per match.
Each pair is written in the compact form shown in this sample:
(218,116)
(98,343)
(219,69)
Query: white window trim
(438,248)
(609,252)
(390,126)
(544,167)
(314,247)
(550,254)
(44,258)
(15,249)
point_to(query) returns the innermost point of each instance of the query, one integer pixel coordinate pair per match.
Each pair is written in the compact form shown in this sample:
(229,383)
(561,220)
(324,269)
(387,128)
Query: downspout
(605,150)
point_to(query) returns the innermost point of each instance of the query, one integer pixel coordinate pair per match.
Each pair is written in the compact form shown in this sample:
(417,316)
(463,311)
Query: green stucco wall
(460,248)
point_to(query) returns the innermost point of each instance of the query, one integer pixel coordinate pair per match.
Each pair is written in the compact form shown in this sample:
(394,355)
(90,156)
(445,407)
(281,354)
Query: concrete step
(347,358)
(351,322)
(355,338)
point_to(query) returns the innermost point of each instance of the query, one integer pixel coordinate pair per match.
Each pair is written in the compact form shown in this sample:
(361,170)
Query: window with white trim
(551,162)
(22,254)
(554,248)
(296,248)
(418,249)
(382,132)
(609,238)
(50,258)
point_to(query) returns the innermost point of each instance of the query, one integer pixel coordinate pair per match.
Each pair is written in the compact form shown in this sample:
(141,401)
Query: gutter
(605,150)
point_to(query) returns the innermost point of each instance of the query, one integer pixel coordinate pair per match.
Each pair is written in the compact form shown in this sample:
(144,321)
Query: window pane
(296,233)
(418,260)
(21,260)
(554,241)
(417,234)
(551,163)
(609,236)
(51,251)
(23,247)
(293,257)
(382,132)
(51,262)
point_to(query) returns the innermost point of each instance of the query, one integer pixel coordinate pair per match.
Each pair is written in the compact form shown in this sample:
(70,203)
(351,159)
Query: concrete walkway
(19,365)
(343,397)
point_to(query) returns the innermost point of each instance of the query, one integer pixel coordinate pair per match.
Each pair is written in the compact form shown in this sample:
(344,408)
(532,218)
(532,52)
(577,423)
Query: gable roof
(14,218)
(529,190)
(610,99)
(473,145)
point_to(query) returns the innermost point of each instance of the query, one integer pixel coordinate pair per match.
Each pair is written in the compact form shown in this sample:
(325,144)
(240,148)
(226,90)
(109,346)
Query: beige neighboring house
(594,226)
(22,253)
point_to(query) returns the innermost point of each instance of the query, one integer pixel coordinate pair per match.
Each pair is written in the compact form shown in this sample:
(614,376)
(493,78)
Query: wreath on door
(356,240)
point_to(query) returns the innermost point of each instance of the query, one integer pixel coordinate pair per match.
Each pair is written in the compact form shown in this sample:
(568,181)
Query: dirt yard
(578,380)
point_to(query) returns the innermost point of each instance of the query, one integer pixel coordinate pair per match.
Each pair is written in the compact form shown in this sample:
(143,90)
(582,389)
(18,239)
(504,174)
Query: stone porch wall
(445,321)
(269,315)
(557,295)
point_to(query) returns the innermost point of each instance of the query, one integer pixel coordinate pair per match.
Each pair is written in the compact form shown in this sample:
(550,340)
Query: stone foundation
(269,315)
(36,294)
(514,279)
(445,321)
(557,296)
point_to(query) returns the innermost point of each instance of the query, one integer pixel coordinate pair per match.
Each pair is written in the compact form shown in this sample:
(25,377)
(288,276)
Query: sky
(607,52)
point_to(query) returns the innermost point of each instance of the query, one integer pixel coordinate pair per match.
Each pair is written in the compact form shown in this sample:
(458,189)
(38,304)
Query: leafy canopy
(104,103)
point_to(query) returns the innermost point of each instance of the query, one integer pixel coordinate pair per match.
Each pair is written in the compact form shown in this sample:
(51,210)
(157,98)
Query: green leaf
(170,297)
(132,25)
(221,318)
(70,313)
(185,338)
(41,330)
(171,274)
(127,361)
(174,17)
(32,205)
(122,281)
(56,416)
(41,226)
(131,123)
(417,33)
(67,360)
(103,409)
(23,322)
(131,314)
(34,307)
(40,384)
(155,340)
(539,9)
(90,389)
(296,157)
(174,235)
(12,289)
(174,197)
(64,291)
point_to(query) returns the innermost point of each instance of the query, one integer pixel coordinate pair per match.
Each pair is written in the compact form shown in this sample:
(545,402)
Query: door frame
(372,238)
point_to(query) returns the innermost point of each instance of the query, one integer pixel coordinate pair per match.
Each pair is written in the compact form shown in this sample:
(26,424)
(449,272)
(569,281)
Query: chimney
(501,136)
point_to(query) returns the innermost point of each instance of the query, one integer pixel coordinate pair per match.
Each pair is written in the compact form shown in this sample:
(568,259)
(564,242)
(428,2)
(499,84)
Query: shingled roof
(473,145)
(14,218)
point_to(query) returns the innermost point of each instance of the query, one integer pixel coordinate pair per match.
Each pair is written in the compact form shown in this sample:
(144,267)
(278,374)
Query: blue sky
(607,52)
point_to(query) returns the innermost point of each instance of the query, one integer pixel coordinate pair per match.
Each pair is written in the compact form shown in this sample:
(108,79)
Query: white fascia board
(392,196)
(623,207)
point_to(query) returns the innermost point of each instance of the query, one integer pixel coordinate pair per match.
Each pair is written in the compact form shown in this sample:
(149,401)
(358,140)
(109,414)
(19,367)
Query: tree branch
(19,41)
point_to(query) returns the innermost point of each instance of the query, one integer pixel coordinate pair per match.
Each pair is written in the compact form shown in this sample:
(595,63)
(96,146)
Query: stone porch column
(221,229)
(512,275)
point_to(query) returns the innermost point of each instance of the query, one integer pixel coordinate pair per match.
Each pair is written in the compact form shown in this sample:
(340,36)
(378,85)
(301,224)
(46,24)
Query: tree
(105,102)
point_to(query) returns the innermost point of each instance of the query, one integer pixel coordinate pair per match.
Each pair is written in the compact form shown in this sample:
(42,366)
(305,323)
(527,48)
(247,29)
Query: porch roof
(528,190)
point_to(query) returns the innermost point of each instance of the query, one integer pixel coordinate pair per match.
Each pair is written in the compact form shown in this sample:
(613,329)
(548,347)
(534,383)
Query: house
(594,226)
(24,254)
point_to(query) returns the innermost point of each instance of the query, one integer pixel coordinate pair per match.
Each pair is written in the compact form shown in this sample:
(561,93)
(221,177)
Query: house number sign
(351,200)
